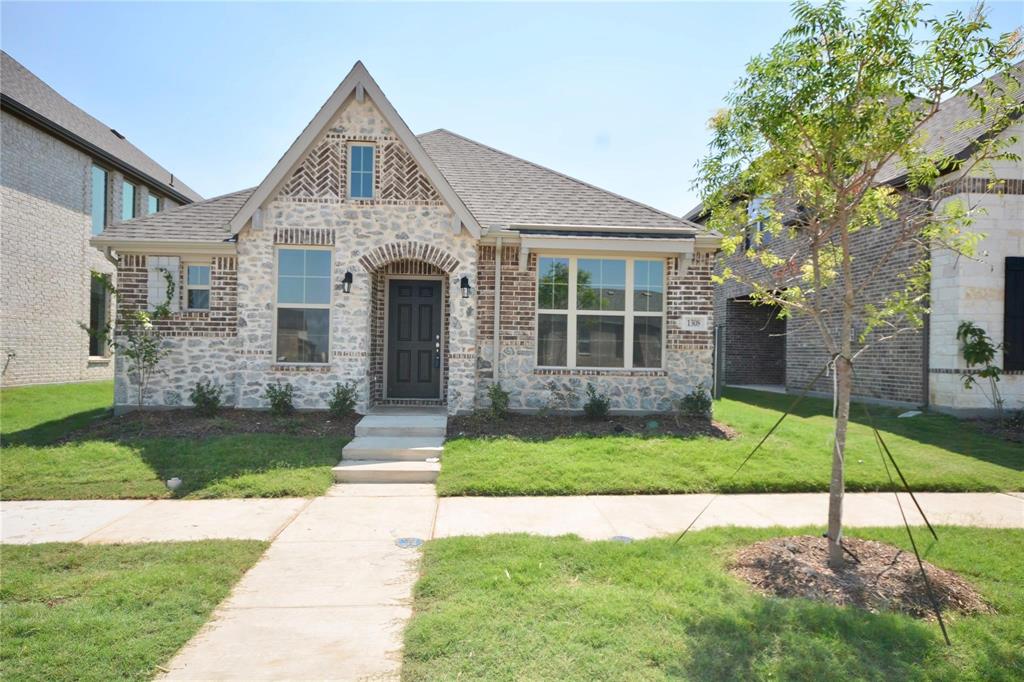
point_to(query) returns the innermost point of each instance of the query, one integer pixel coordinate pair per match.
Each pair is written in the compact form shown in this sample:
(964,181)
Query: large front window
(600,312)
(303,305)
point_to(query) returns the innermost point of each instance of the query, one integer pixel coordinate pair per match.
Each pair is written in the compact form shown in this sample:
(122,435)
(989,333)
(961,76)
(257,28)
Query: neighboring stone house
(925,367)
(370,255)
(64,176)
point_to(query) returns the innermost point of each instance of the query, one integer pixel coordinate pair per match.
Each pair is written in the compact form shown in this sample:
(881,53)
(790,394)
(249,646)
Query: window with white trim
(197,287)
(600,312)
(360,171)
(303,315)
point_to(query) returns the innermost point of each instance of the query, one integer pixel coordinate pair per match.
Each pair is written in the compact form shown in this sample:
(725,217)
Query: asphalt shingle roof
(501,189)
(205,220)
(25,88)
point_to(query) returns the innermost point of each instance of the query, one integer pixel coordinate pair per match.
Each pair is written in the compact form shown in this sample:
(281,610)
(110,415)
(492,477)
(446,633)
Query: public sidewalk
(593,517)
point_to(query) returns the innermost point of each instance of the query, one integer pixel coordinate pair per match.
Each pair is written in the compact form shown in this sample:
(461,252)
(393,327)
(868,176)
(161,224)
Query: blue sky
(617,95)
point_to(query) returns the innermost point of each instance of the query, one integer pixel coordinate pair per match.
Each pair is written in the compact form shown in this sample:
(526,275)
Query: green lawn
(247,465)
(936,452)
(524,607)
(109,612)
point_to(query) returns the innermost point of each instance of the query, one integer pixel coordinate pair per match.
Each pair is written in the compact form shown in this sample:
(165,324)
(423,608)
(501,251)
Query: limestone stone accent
(973,289)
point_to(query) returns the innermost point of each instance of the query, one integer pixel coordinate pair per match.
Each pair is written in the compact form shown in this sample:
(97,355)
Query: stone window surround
(628,315)
(305,306)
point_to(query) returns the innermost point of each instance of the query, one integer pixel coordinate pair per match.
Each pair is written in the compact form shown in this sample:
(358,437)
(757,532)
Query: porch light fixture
(464,285)
(346,284)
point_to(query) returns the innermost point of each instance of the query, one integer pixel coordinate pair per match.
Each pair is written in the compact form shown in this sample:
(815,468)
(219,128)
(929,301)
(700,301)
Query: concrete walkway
(329,599)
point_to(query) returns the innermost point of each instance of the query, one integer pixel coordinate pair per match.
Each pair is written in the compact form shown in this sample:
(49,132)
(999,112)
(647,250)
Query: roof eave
(35,118)
(197,246)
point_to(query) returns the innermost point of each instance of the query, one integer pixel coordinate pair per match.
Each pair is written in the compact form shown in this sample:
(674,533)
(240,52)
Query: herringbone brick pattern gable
(322,175)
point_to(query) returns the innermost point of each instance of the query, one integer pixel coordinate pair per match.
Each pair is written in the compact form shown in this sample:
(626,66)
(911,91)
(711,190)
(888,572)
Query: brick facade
(754,350)
(890,370)
(221,320)
(45,278)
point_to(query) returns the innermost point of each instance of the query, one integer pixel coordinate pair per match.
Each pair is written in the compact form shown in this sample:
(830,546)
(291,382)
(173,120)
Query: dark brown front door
(414,339)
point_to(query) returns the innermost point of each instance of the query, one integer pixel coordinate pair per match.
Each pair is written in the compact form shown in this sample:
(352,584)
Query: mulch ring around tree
(886,579)
(546,427)
(185,423)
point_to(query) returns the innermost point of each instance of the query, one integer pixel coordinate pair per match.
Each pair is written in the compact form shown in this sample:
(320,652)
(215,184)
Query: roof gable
(356,86)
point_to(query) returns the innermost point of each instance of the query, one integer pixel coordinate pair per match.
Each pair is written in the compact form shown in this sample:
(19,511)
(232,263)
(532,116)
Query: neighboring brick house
(64,176)
(370,255)
(922,367)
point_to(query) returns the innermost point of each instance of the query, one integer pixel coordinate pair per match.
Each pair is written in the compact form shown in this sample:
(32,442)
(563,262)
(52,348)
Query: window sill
(300,367)
(99,360)
(601,371)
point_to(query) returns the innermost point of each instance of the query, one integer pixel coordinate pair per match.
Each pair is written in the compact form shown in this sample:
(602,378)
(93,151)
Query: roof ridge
(567,177)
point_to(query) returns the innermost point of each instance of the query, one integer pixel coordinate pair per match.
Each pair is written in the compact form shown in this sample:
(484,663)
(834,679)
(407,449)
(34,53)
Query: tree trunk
(844,379)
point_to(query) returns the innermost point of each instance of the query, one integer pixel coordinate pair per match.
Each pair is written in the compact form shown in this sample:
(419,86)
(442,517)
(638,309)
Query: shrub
(696,403)
(597,404)
(499,400)
(342,402)
(280,397)
(206,397)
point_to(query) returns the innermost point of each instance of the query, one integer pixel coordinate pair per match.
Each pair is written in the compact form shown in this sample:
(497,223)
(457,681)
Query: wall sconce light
(346,284)
(464,285)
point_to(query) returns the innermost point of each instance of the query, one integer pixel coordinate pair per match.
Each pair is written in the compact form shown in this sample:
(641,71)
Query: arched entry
(410,313)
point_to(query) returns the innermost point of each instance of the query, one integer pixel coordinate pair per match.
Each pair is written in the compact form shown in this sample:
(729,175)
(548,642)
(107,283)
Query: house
(918,367)
(64,176)
(423,269)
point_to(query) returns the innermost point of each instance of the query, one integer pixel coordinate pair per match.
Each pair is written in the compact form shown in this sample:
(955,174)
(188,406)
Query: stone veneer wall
(687,354)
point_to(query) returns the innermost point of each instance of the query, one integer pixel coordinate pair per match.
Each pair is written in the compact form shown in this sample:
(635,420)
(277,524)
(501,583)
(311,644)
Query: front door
(414,339)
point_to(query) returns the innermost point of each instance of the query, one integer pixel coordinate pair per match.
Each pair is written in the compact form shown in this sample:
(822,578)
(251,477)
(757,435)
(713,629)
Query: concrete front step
(387,448)
(402,426)
(376,471)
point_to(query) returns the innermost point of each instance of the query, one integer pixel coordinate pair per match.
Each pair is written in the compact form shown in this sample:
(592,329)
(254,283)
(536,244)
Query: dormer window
(360,171)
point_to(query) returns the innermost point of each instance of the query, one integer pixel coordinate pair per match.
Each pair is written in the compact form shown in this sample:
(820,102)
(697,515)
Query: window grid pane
(99,199)
(361,172)
(302,334)
(199,274)
(648,286)
(199,299)
(647,342)
(152,204)
(600,341)
(304,276)
(127,201)
(552,340)
(600,284)
(553,284)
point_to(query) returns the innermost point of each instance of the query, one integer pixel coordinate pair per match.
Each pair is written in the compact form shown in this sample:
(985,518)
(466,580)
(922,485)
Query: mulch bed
(545,427)
(185,423)
(1012,431)
(886,579)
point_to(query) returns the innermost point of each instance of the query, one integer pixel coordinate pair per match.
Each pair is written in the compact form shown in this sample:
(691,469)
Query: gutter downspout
(497,309)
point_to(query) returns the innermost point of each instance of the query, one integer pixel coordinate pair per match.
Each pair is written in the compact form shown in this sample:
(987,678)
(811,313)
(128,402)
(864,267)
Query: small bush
(342,402)
(696,404)
(280,397)
(597,404)
(499,400)
(206,397)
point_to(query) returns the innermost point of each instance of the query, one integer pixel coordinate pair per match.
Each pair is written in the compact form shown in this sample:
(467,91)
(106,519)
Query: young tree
(800,149)
(137,338)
